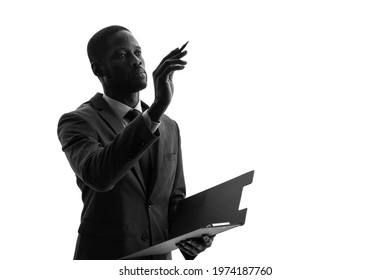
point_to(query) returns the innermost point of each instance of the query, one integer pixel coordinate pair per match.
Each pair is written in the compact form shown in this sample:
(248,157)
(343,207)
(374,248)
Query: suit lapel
(112,121)
(106,113)
(116,125)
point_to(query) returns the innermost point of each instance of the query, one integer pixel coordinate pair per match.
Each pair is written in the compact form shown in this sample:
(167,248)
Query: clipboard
(170,245)
(210,212)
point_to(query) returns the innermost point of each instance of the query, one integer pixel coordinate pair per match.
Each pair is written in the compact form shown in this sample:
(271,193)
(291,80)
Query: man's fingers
(180,55)
(189,250)
(170,76)
(192,245)
(168,56)
(163,75)
(207,240)
(161,68)
(173,55)
(169,71)
(195,244)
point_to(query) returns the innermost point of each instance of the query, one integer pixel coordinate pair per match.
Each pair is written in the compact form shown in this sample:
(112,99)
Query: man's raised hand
(163,85)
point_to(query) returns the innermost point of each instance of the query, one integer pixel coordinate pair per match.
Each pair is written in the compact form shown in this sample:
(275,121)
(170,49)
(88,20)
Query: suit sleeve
(97,166)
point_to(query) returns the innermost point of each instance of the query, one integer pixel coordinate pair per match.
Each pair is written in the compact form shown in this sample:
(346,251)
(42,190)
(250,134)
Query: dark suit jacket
(121,214)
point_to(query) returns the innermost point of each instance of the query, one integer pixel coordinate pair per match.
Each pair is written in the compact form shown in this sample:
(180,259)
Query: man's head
(116,60)
(97,45)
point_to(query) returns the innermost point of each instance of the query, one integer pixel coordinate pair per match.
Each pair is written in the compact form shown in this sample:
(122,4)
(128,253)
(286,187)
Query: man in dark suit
(126,155)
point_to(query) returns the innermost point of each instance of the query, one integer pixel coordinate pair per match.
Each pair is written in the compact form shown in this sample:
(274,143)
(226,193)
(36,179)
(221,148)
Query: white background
(296,90)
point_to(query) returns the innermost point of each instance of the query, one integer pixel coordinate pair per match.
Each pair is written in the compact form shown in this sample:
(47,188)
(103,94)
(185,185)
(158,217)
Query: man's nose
(135,61)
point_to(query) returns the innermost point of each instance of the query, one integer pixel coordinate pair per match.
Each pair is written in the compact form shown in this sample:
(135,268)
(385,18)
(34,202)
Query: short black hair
(97,44)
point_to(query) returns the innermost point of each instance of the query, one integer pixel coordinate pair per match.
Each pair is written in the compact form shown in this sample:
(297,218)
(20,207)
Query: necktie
(131,115)
(147,159)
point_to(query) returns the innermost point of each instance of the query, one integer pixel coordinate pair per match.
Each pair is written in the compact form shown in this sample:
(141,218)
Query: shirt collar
(119,108)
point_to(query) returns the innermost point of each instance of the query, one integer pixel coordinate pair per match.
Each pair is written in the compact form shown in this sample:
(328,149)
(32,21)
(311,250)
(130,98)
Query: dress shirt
(120,110)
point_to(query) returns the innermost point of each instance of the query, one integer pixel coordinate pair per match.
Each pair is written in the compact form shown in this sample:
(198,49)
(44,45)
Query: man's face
(123,64)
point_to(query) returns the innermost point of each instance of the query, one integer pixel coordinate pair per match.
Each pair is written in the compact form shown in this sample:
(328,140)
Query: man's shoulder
(87,109)
(165,119)
(169,124)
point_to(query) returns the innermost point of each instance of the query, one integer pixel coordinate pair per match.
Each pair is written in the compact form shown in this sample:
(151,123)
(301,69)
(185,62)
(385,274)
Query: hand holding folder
(194,246)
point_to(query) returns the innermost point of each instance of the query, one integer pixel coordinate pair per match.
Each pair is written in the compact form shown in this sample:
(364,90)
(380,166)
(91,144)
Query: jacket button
(145,236)
(149,204)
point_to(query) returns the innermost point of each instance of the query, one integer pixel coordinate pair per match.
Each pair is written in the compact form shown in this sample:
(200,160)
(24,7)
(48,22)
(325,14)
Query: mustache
(138,70)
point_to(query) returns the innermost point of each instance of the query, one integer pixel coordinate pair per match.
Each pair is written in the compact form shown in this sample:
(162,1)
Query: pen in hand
(182,48)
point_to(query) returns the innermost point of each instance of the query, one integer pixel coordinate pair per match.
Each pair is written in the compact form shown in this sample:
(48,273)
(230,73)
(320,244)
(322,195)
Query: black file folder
(210,212)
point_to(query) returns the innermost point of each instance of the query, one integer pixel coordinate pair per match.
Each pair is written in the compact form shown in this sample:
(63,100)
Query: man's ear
(97,69)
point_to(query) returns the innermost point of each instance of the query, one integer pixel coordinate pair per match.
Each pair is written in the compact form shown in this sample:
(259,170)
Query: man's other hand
(193,246)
